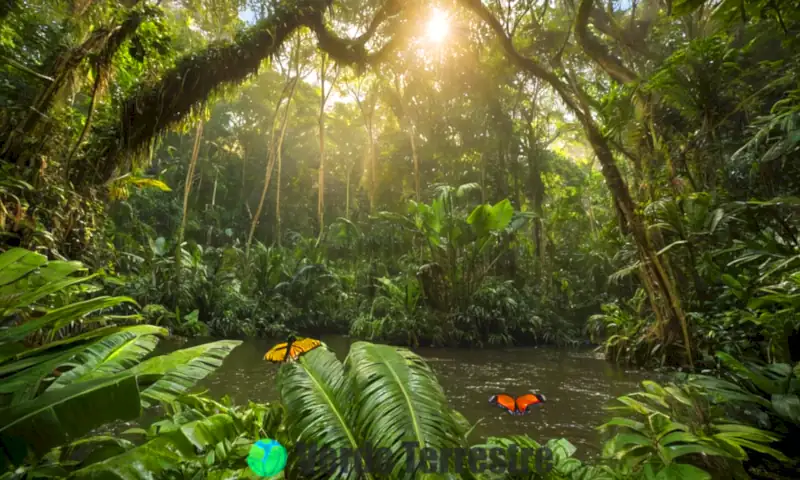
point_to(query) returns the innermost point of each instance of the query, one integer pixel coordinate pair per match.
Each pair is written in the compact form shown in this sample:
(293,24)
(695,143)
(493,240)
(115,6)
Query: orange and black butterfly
(291,349)
(517,406)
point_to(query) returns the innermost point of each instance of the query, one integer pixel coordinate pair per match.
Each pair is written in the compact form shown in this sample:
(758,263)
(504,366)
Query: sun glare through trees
(438,26)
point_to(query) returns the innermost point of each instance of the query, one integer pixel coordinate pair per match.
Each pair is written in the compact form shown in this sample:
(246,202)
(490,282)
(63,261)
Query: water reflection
(577,385)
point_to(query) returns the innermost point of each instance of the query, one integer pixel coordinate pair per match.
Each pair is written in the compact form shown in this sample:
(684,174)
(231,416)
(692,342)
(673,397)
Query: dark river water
(576,383)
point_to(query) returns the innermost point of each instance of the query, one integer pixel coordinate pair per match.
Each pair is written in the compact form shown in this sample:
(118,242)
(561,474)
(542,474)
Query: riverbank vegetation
(68,382)
(461,173)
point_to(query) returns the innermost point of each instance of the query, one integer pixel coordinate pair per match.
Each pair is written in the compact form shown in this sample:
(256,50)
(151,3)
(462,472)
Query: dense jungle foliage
(453,172)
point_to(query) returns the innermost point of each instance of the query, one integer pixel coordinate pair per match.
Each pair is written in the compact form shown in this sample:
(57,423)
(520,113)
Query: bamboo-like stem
(412,134)
(186,191)
(275,148)
(96,88)
(321,193)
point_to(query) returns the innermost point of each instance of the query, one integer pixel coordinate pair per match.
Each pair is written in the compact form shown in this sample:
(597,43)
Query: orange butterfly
(519,406)
(291,349)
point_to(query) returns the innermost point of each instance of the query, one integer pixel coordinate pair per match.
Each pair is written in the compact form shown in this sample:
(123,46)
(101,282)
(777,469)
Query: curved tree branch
(353,52)
(597,51)
(388,10)
(664,299)
(529,65)
(155,107)
(607,26)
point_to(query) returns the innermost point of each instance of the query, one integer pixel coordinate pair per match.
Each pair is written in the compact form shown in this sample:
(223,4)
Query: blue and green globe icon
(267,457)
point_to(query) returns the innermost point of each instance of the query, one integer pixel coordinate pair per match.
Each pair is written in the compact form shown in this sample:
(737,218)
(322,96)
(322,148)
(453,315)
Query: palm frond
(55,418)
(398,400)
(177,372)
(624,272)
(319,398)
(111,355)
(166,452)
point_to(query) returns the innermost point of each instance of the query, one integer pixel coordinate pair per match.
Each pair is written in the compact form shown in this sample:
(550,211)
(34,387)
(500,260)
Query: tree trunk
(102,41)
(323,100)
(321,193)
(664,299)
(273,153)
(660,287)
(373,184)
(536,192)
(187,188)
(483,177)
(278,191)
(61,71)
(154,108)
(412,135)
(214,192)
(347,194)
(96,88)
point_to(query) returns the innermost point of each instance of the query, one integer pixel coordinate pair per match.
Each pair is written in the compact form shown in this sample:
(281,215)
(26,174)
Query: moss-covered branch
(155,107)
(103,44)
(596,50)
(353,52)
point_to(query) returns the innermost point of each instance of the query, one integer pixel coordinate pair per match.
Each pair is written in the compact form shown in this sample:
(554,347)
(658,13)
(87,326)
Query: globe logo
(267,457)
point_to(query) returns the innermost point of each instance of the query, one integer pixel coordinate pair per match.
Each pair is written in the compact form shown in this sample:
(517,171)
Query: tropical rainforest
(474,174)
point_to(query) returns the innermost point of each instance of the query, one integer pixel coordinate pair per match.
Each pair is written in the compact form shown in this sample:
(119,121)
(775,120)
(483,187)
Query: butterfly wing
(307,344)
(276,354)
(524,402)
(295,351)
(506,402)
(300,347)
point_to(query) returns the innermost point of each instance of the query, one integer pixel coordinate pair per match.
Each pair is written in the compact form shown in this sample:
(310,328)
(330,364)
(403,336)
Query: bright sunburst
(438,26)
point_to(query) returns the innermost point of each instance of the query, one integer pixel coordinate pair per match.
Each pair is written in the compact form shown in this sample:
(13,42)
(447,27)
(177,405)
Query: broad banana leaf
(111,355)
(13,299)
(18,262)
(25,384)
(83,337)
(28,373)
(165,452)
(319,401)
(57,417)
(61,317)
(398,399)
(166,377)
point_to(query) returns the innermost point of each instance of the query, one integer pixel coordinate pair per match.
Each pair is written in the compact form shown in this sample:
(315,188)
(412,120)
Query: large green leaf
(111,355)
(12,367)
(25,384)
(169,376)
(787,405)
(24,377)
(680,471)
(763,383)
(165,452)
(18,262)
(502,213)
(57,417)
(398,400)
(85,337)
(61,317)
(725,391)
(319,399)
(13,299)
